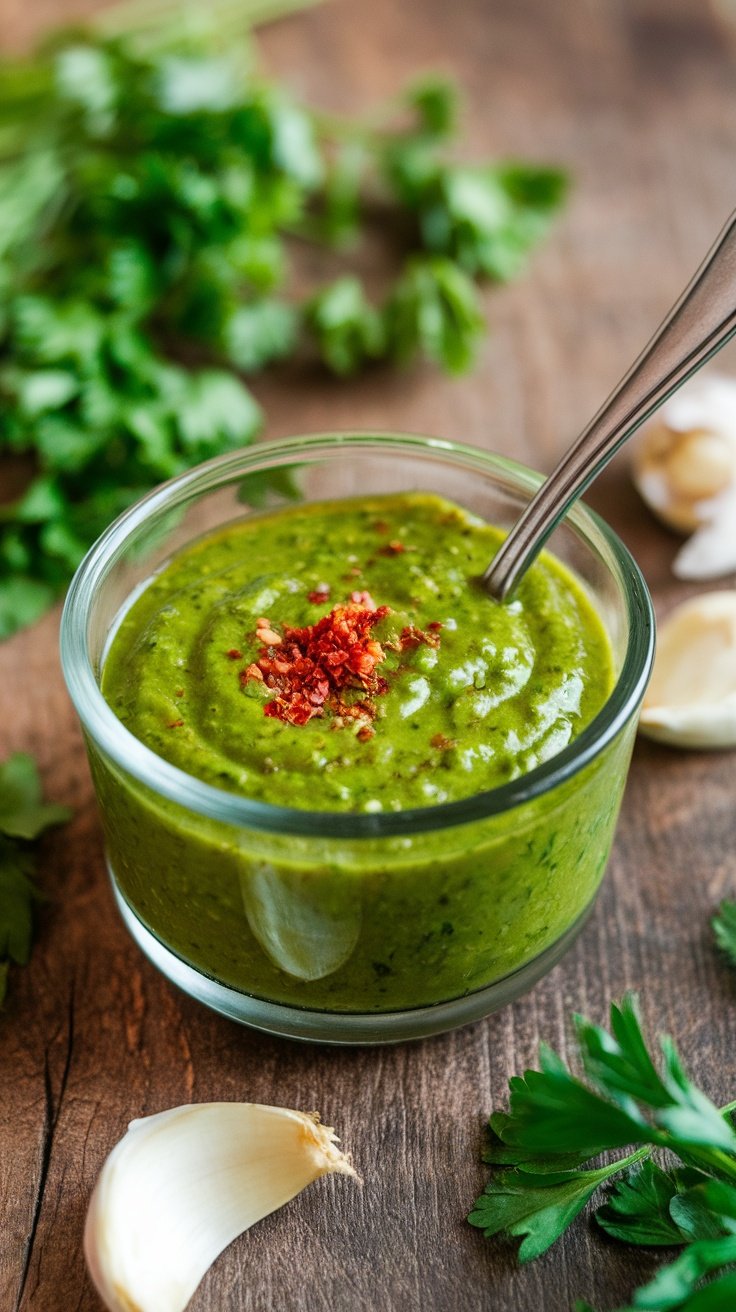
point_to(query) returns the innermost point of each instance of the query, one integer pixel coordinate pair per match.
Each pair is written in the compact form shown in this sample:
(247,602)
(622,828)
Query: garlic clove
(711,551)
(294,924)
(180,1186)
(691,699)
(685,459)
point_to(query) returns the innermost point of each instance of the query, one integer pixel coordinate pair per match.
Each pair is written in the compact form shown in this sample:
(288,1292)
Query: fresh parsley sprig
(629,1098)
(153,188)
(23,818)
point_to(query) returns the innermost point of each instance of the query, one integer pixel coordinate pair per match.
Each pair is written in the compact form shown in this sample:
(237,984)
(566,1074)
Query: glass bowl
(353,927)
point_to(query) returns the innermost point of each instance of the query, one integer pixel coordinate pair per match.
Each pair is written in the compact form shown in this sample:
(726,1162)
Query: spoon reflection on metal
(698,325)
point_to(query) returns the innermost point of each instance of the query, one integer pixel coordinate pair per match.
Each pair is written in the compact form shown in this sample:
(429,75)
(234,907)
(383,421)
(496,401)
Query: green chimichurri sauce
(370,924)
(505,688)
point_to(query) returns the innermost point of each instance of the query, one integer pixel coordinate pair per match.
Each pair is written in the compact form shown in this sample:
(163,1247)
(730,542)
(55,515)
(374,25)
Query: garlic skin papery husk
(685,469)
(691,699)
(180,1186)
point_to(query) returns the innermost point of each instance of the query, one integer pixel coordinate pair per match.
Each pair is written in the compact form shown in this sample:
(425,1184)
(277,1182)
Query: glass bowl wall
(353,927)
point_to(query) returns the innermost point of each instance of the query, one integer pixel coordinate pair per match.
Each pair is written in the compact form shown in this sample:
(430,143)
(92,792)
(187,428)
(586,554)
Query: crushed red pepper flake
(392,549)
(265,634)
(234,654)
(441,741)
(319,594)
(411,637)
(175,724)
(308,669)
(435,625)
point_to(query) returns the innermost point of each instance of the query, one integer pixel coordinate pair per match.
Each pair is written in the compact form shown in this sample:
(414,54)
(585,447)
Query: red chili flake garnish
(175,724)
(392,549)
(360,710)
(439,740)
(320,594)
(266,634)
(365,734)
(179,692)
(412,637)
(234,654)
(435,625)
(314,665)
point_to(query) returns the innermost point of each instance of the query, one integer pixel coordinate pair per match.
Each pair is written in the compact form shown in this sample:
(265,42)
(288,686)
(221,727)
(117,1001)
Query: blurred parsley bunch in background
(152,187)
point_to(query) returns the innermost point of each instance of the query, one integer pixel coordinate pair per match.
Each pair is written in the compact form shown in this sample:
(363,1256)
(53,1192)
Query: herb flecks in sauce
(238,619)
(478,694)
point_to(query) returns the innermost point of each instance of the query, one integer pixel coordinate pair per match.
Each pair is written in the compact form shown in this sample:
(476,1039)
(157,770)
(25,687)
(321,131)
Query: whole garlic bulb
(685,470)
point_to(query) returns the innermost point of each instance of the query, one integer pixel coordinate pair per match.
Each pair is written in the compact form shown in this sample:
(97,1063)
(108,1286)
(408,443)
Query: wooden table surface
(638,99)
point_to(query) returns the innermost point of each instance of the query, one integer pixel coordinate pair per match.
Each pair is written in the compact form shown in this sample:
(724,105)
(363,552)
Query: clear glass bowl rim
(119,744)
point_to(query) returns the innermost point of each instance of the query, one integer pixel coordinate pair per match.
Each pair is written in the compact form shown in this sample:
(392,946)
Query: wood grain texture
(638,99)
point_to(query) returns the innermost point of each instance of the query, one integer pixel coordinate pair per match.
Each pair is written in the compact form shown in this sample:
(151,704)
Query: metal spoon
(698,325)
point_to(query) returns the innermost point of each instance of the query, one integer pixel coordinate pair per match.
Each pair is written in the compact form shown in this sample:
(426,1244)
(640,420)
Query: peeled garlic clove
(685,459)
(711,551)
(180,1186)
(691,700)
(301,935)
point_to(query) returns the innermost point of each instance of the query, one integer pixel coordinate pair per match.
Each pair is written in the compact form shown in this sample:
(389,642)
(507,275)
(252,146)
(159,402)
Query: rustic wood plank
(637,99)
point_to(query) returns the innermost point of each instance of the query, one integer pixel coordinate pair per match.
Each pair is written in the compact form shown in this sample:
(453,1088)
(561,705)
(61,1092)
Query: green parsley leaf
(553,1111)
(721,1198)
(23,600)
(435,101)
(556,1121)
(151,181)
(621,1066)
(85,79)
(718,1296)
(23,817)
(691,1118)
(347,329)
(23,813)
(434,311)
(639,1210)
(45,389)
(16,897)
(724,928)
(216,408)
(487,218)
(258,333)
(674,1284)
(539,1207)
(339,217)
(697,1214)
(498,1153)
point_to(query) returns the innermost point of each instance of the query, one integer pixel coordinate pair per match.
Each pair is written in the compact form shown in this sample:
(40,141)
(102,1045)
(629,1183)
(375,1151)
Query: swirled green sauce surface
(504,689)
(378,923)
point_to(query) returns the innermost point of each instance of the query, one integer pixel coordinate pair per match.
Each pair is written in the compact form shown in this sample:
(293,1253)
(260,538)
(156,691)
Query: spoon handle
(698,325)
